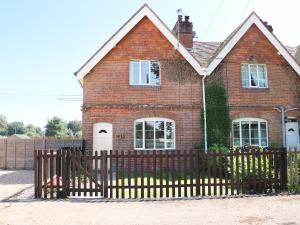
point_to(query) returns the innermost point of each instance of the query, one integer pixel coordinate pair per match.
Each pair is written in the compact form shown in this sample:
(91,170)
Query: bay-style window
(254,76)
(250,132)
(154,133)
(144,72)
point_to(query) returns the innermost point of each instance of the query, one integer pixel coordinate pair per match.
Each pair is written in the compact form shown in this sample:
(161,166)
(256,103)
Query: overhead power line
(246,8)
(213,19)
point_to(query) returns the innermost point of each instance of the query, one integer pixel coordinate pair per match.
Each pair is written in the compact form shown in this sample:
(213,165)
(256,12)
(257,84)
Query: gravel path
(283,210)
(17,206)
(14,182)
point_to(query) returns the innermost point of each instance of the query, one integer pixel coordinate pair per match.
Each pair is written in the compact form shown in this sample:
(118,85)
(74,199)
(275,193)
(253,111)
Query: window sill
(255,89)
(152,87)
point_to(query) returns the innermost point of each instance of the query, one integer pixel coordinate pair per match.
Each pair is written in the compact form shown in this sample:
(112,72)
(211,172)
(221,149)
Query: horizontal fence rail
(158,174)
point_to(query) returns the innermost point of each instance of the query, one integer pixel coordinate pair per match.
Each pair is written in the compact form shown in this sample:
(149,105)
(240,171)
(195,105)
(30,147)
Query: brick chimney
(268,26)
(185,30)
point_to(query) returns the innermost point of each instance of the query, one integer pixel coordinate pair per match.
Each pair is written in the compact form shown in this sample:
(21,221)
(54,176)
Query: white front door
(292,133)
(102,136)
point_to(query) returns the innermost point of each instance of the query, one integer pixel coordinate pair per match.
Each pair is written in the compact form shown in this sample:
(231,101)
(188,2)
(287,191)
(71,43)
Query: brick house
(134,99)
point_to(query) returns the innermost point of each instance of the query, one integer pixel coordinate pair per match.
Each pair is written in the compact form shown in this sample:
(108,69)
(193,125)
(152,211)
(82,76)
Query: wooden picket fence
(158,174)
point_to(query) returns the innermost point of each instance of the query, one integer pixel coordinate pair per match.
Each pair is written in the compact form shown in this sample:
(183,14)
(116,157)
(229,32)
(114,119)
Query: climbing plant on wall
(217,114)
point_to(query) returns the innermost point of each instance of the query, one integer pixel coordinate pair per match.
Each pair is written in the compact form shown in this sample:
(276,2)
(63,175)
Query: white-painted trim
(144,11)
(253,19)
(250,119)
(154,119)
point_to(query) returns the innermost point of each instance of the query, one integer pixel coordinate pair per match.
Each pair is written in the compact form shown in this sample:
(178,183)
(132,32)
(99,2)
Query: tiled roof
(204,52)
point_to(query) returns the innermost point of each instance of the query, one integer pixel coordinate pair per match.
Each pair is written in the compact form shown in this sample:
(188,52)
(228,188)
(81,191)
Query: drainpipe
(283,110)
(204,113)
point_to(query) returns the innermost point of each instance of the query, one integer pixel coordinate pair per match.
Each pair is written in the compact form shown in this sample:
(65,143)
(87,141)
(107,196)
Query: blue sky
(43,42)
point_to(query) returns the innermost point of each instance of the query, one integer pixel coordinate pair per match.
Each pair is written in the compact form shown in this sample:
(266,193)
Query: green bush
(293,161)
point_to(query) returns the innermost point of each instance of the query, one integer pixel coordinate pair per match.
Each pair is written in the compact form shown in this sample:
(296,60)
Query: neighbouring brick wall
(283,83)
(108,97)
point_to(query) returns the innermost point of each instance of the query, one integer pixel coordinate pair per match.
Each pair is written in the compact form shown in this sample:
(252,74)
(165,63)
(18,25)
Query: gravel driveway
(283,210)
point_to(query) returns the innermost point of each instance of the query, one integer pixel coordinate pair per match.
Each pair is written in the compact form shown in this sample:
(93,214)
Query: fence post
(5,154)
(35,173)
(284,169)
(104,173)
(64,174)
(40,170)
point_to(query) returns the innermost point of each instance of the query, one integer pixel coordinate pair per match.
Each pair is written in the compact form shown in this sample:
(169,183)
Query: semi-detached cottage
(133,100)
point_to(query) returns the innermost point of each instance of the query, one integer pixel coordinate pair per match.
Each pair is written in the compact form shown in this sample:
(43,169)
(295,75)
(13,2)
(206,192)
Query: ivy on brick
(217,115)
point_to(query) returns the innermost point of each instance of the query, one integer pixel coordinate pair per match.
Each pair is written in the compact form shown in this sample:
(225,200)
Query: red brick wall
(108,96)
(283,82)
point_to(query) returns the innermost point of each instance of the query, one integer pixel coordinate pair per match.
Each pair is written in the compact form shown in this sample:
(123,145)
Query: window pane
(263,130)
(262,76)
(154,70)
(236,130)
(169,135)
(245,141)
(263,125)
(264,142)
(254,129)
(159,134)
(134,72)
(145,72)
(253,75)
(245,129)
(139,126)
(236,142)
(139,135)
(254,141)
(245,75)
(149,134)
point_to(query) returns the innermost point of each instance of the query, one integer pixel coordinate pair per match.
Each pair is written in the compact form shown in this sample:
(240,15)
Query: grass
(130,191)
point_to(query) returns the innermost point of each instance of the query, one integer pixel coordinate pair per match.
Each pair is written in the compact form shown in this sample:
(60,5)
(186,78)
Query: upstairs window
(254,76)
(144,72)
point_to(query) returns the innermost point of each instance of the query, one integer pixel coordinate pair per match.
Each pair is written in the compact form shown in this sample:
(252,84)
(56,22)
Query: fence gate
(64,173)
(158,174)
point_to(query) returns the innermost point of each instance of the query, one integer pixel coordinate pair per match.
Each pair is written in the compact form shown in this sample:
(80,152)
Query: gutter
(204,111)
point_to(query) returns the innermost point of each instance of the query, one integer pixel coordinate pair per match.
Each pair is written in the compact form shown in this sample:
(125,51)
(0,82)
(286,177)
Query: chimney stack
(184,30)
(297,55)
(269,27)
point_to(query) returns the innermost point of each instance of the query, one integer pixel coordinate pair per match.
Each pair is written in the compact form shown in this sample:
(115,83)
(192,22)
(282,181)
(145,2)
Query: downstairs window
(154,133)
(250,132)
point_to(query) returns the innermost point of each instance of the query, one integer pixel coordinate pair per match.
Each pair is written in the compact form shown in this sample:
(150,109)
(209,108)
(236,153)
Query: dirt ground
(284,210)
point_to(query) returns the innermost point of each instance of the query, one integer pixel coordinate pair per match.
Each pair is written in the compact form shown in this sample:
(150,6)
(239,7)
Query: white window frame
(249,76)
(149,72)
(155,119)
(259,130)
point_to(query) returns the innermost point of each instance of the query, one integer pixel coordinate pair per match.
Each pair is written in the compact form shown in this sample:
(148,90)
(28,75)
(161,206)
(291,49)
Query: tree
(33,131)
(3,125)
(16,128)
(75,127)
(217,114)
(56,127)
